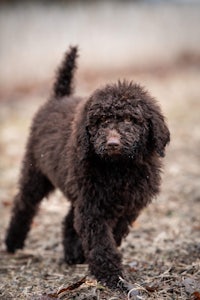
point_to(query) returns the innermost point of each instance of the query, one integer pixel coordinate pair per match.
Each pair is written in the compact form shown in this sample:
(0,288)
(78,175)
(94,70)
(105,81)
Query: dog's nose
(113,142)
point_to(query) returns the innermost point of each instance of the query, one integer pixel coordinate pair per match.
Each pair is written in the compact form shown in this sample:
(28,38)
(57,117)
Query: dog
(105,154)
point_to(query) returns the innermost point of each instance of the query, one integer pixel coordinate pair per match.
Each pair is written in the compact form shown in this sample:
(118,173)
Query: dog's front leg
(99,246)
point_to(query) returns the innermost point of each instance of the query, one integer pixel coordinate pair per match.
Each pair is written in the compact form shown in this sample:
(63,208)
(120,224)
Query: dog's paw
(12,244)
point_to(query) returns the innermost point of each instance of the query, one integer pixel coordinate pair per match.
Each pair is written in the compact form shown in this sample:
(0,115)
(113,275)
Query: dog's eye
(104,120)
(128,119)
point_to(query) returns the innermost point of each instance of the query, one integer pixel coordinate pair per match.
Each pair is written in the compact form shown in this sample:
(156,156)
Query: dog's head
(123,121)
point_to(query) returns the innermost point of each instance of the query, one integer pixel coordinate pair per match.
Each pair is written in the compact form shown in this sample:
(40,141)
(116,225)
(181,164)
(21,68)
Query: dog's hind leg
(73,250)
(34,186)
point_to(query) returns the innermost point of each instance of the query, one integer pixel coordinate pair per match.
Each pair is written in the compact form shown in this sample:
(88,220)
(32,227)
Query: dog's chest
(118,189)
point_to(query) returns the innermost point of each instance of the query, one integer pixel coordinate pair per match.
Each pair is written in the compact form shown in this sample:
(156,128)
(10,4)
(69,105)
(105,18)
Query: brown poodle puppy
(104,153)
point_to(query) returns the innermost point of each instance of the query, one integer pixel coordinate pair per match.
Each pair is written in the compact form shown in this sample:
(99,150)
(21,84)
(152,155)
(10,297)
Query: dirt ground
(161,255)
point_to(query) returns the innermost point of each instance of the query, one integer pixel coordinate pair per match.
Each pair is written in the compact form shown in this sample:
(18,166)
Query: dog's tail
(63,85)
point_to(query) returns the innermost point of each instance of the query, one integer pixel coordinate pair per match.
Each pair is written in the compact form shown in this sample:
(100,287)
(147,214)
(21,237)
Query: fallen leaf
(151,288)
(91,282)
(69,288)
(196,296)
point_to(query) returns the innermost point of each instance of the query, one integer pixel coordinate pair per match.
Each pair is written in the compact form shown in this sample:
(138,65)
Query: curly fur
(104,153)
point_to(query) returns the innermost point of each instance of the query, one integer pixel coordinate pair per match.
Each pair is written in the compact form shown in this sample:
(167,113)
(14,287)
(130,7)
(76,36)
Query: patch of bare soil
(161,255)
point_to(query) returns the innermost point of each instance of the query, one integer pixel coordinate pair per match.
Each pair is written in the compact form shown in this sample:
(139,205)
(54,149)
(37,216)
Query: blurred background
(113,36)
(155,43)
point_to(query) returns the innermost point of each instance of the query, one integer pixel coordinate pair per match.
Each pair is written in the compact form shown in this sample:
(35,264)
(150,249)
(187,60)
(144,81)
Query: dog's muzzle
(113,143)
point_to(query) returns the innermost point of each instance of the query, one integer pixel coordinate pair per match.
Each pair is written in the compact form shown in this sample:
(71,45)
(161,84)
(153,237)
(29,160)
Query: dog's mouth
(113,149)
(106,152)
(113,152)
(113,144)
(121,154)
(127,152)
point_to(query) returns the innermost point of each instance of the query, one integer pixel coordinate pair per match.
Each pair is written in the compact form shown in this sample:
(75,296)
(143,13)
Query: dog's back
(50,132)
(52,124)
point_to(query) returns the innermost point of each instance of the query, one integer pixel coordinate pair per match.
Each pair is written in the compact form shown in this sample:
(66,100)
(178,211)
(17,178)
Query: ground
(161,255)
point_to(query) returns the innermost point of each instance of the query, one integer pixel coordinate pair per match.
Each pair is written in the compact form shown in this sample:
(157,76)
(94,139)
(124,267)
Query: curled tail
(63,85)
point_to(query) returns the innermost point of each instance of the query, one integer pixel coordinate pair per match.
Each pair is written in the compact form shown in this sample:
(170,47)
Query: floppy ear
(159,132)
